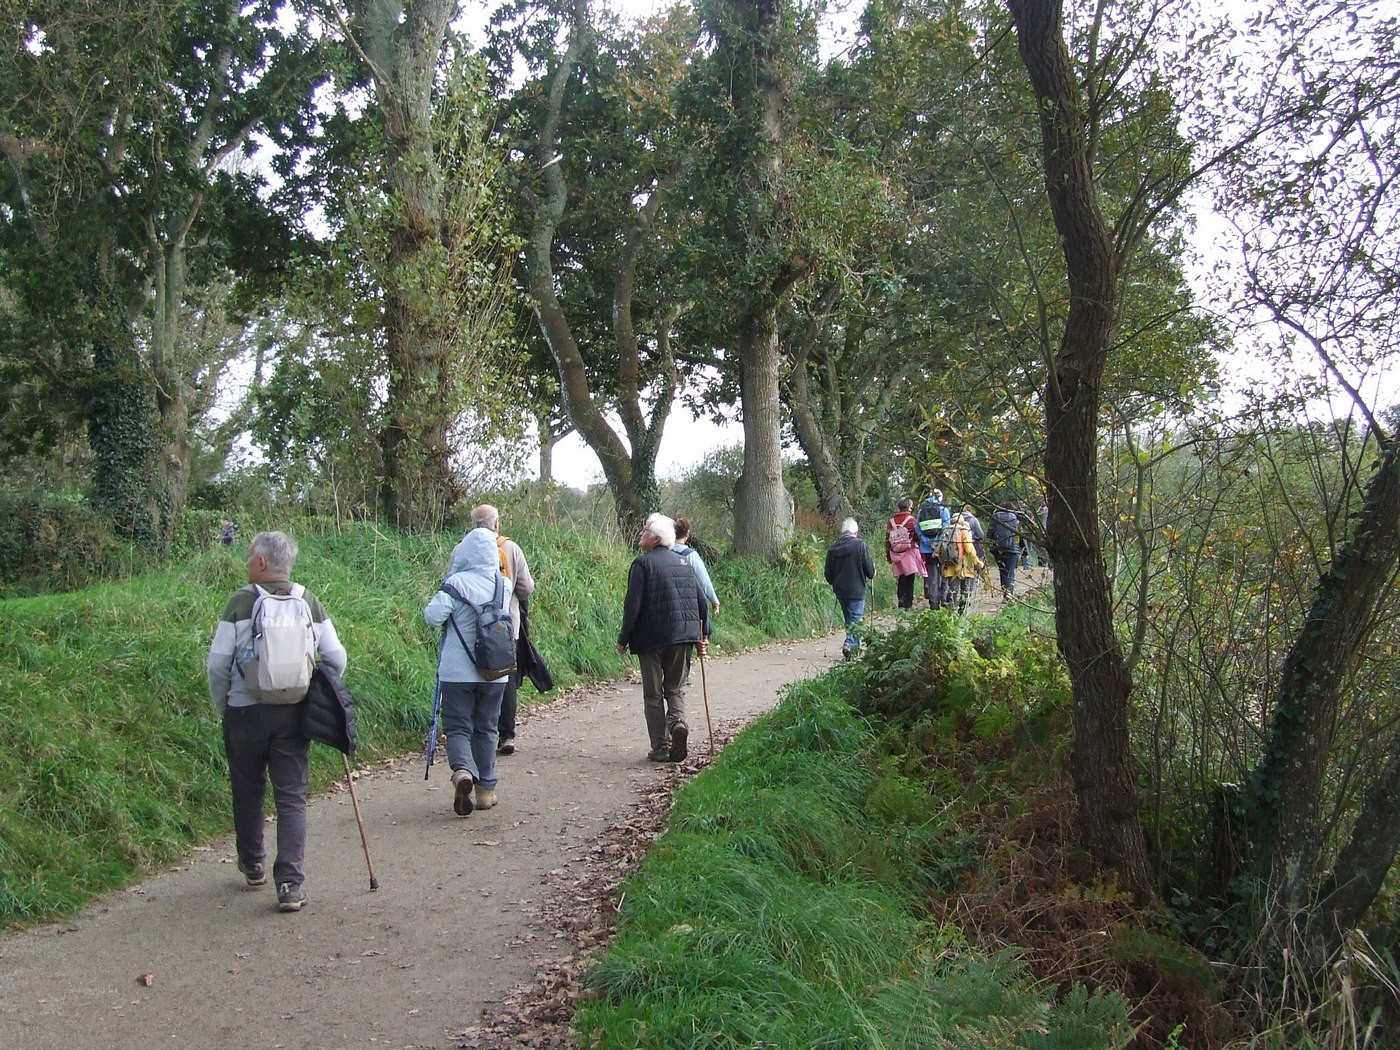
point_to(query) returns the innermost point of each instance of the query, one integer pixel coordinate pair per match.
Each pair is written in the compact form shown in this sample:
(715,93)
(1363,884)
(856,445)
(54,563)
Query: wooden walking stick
(350,783)
(705,692)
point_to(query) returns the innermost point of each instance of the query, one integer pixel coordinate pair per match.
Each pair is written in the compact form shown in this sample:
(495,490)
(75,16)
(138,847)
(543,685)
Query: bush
(56,543)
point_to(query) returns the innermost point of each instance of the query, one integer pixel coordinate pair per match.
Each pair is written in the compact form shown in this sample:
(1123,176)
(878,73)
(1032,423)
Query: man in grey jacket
(663,615)
(265,741)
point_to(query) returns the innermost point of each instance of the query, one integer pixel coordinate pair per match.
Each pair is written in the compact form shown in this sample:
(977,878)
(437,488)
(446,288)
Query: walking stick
(364,843)
(705,692)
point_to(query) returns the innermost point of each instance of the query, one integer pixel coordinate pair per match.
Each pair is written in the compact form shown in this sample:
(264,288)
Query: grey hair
(850,527)
(663,528)
(278,548)
(485,517)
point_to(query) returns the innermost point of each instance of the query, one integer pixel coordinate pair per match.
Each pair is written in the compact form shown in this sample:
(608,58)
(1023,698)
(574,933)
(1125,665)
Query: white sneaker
(485,797)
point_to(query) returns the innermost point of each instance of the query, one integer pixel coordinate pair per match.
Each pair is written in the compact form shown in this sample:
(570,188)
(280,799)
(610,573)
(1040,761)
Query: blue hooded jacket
(475,566)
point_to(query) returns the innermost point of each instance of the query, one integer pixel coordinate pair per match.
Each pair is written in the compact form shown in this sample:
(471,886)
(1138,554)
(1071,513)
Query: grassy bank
(857,866)
(111,762)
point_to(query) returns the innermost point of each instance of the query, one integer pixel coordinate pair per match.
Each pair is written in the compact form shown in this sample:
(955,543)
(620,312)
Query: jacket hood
(476,552)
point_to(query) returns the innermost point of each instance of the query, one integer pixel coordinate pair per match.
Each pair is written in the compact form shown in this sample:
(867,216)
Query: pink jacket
(910,561)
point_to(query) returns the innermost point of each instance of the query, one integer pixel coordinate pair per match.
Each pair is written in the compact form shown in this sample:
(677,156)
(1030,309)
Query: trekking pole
(364,842)
(705,692)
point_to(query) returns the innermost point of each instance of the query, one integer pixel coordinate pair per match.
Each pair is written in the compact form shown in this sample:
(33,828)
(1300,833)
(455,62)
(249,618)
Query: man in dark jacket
(663,615)
(848,567)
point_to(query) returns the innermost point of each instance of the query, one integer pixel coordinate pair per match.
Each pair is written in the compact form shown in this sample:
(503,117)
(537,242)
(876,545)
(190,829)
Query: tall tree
(400,45)
(120,128)
(601,174)
(756,43)
(1104,775)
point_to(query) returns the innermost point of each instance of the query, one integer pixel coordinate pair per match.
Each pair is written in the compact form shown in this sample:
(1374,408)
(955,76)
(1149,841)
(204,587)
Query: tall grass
(111,760)
(784,908)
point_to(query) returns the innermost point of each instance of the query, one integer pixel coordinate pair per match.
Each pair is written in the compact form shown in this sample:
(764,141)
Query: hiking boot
(290,896)
(679,733)
(485,797)
(462,796)
(505,746)
(253,874)
(659,754)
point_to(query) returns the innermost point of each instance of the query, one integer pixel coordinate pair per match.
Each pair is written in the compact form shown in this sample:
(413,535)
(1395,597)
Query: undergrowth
(888,860)
(113,764)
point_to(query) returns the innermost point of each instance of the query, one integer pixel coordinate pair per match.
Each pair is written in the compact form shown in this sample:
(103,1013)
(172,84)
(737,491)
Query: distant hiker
(1042,552)
(228,531)
(974,526)
(1007,546)
(521,586)
(663,615)
(264,740)
(931,518)
(702,575)
(848,567)
(903,553)
(697,563)
(471,701)
(960,562)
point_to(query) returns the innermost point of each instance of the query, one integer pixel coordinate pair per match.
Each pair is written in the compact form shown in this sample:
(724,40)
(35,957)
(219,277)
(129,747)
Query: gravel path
(467,913)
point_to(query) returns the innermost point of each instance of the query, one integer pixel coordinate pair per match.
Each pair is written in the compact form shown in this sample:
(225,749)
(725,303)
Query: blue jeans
(853,609)
(470,711)
(1007,560)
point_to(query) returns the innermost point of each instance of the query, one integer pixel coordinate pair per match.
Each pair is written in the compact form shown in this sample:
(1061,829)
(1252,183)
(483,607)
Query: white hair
(849,527)
(278,548)
(663,528)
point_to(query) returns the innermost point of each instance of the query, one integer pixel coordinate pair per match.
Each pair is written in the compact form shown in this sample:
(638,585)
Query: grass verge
(788,905)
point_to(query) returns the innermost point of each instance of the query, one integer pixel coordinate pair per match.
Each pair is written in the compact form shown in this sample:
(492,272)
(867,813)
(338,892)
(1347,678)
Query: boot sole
(462,798)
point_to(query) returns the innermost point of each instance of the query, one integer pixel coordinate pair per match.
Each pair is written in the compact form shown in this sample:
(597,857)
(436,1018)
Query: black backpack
(1006,532)
(930,518)
(494,652)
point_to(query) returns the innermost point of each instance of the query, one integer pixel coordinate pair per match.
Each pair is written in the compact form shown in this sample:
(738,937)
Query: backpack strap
(453,592)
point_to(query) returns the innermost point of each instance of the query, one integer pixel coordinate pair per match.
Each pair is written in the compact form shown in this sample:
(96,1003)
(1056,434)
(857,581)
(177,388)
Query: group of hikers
(945,548)
(274,632)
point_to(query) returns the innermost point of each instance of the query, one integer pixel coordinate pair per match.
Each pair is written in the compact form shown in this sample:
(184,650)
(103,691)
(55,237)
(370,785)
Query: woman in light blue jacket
(471,705)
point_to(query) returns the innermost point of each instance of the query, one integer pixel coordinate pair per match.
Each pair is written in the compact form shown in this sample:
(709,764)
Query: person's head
(849,527)
(659,531)
(486,517)
(905,504)
(1007,504)
(938,495)
(476,552)
(682,529)
(967,511)
(271,556)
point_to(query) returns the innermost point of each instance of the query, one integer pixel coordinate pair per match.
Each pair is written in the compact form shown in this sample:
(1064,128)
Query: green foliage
(783,909)
(113,760)
(57,543)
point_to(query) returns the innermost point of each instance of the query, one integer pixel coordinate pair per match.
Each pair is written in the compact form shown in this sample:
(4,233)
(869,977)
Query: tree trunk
(401,43)
(1102,763)
(631,474)
(763,510)
(751,31)
(1288,785)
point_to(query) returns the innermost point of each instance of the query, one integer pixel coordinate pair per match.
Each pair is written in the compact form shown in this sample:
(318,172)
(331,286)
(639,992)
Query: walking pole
(705,692)
(350,783)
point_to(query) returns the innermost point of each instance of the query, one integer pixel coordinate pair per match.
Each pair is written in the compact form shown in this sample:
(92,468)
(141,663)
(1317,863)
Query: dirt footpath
(191,959)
